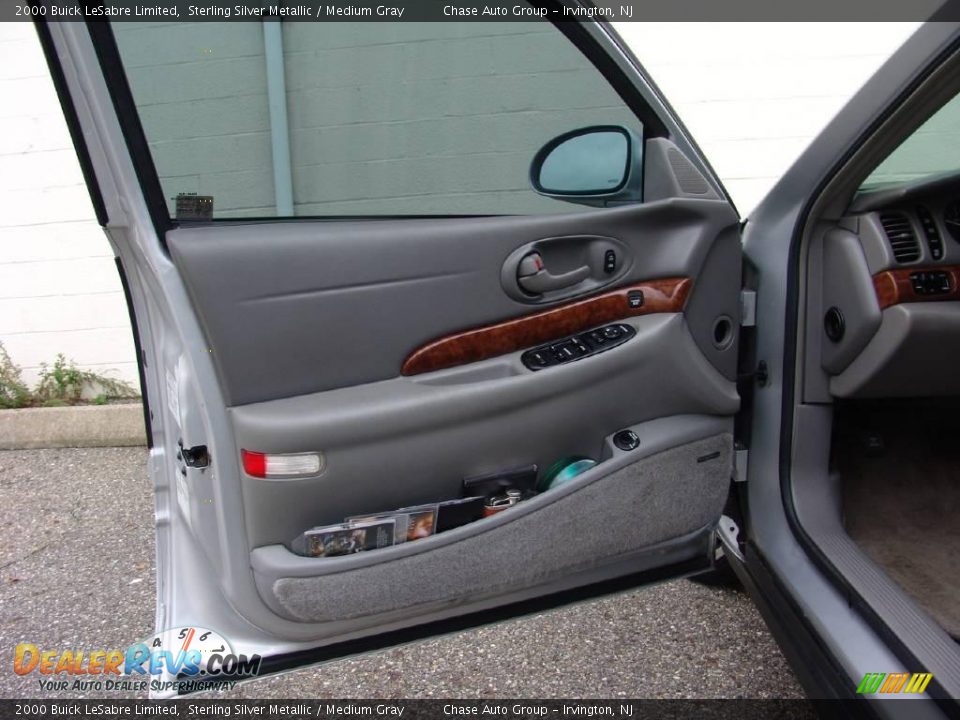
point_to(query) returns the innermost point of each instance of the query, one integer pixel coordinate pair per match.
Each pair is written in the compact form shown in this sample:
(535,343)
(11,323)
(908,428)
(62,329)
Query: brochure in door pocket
(348,538)
(400,520)
(411,523)
(423,521)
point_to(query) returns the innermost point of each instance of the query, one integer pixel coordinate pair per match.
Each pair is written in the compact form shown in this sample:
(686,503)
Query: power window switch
(540,359)
(579,347)
(563,352)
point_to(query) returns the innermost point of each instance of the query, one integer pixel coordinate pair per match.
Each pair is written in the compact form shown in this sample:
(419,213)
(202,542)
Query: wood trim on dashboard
(894,286)
(659,296)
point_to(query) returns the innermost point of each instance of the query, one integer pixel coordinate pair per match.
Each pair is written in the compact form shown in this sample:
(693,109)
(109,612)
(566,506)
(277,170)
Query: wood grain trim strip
(659,296)
(894,287)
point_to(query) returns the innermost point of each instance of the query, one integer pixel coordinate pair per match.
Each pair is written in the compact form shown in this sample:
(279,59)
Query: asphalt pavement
(77,572)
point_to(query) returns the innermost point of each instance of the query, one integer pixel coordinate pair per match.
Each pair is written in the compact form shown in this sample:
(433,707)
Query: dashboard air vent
(902,239)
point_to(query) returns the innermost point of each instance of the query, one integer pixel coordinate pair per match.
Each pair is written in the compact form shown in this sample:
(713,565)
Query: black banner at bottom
(421,709)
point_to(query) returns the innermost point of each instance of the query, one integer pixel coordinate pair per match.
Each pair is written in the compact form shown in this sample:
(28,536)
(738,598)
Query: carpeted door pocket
(602,515)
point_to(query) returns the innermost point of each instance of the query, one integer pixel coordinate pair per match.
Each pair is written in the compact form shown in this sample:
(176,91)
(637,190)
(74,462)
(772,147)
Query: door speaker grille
(688,177)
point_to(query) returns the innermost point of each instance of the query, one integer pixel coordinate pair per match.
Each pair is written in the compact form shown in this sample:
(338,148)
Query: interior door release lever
(534,278)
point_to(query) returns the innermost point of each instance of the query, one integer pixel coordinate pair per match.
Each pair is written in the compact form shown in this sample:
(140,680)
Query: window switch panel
(577,347)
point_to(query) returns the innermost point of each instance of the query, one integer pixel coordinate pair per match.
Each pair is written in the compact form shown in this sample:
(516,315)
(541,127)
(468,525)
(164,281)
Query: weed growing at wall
(61,383)
(13,391)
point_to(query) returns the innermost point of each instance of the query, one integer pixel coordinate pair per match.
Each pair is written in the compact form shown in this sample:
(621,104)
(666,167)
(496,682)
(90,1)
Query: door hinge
(761,374)
(195,457)
(748,308)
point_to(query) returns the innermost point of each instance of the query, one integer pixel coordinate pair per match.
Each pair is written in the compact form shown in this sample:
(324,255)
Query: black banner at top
(473,11)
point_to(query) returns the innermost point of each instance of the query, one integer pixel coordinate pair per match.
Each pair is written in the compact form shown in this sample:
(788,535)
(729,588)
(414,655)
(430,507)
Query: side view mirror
(599,165)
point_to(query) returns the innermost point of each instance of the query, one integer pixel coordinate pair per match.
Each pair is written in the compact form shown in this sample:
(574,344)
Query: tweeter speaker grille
(688,177)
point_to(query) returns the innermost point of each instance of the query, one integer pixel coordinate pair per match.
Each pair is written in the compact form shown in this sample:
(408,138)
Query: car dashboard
(889,291)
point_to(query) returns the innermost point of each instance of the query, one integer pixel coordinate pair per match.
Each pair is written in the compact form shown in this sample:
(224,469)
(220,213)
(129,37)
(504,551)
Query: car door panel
(300,336)
(475,418)
(376,293)
(412,439)
(343,308)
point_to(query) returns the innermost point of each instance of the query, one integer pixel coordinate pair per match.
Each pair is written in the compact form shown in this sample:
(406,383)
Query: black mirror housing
(598,165)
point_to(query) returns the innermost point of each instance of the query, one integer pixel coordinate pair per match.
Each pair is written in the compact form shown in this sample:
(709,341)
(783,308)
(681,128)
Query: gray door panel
(295,308)
(343,305)
(310,323)
(405,441)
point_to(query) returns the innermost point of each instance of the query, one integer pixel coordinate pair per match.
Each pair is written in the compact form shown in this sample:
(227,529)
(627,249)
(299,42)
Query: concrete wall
(752,94)
(59,288)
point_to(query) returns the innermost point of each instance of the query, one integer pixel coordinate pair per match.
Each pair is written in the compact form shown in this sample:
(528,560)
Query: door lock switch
(635,299)
(609,262)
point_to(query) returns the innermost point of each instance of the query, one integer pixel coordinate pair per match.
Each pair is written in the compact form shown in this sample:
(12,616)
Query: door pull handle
(535,279)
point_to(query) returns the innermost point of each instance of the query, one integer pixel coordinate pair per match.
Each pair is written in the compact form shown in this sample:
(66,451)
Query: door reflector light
(263,465)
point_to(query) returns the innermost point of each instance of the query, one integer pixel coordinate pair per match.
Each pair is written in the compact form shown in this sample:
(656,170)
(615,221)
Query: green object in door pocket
(564,470)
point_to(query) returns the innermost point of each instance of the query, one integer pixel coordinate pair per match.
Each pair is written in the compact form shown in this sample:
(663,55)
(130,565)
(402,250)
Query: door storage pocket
(617,508)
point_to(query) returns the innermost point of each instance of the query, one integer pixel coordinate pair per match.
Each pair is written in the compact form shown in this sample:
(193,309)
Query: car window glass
(933,149)
(438,118)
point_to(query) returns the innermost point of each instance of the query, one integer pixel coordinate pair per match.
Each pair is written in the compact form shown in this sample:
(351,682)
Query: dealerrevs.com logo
(184,659)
